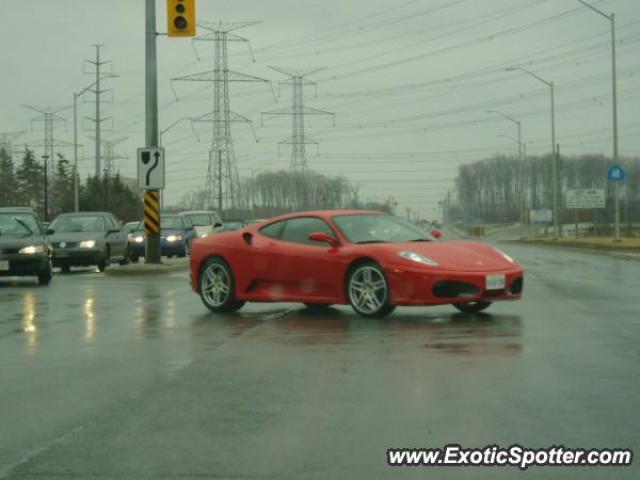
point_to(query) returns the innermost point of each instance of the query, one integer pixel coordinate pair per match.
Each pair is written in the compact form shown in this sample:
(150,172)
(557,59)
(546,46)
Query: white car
(205,222)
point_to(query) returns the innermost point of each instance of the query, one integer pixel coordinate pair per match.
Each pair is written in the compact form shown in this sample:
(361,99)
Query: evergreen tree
(8,187)
(61,191)
(30,183)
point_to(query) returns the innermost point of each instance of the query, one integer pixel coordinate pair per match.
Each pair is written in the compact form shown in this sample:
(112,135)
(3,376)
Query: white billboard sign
(585,198)
(544,216)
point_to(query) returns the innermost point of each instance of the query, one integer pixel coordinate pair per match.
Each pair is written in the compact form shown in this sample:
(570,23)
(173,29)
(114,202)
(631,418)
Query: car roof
(83,214)
(325,214)
(189,212)
(16,209)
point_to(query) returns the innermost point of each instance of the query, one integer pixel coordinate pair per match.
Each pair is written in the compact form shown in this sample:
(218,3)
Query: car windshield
(375,228)
(200,219)
(78,223)
(18,225)
(132,226)
(171,223)
(232,225)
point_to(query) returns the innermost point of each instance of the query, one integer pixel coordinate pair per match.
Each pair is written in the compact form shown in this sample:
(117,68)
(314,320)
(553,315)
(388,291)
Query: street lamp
(76,202)
(554,167)
(614,91)
(517,123)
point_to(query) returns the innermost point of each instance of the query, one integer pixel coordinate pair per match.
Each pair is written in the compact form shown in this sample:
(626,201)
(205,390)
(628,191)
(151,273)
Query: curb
(622,254)
(147,269)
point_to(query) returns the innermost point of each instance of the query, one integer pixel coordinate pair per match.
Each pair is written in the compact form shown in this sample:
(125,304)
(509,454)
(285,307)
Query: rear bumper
(23,265)
(72,257)
(439,287)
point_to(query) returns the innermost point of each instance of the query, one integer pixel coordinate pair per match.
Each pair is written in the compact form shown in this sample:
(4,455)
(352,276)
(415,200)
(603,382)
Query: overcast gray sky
(409,82)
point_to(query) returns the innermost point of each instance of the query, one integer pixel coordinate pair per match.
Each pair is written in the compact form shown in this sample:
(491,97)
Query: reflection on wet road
(116,377)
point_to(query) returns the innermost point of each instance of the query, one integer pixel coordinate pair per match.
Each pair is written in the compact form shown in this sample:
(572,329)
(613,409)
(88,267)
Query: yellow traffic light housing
(181,18)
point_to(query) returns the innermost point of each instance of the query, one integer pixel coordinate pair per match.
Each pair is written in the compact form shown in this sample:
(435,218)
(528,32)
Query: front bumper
(419,286)
(77,257)
(23,265)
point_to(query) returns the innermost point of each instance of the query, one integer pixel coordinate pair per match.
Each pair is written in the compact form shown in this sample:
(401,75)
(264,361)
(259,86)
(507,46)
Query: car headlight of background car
(174,238)
(138,239)
(505,256)
(417,257)
(32,249)
(87,244)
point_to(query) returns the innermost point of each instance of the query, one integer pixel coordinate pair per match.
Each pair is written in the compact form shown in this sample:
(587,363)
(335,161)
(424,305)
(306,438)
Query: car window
(297,230)
(78,223)
(18,224)
(273,230)
(199,219)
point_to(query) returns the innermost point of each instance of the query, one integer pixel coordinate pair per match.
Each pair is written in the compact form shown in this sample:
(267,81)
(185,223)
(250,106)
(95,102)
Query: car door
(312,269)
(115,236)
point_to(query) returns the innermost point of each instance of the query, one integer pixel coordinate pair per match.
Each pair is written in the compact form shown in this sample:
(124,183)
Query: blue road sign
(616,174)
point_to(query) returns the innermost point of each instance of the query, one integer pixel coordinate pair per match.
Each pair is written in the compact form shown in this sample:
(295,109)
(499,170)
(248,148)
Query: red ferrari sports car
(368,259)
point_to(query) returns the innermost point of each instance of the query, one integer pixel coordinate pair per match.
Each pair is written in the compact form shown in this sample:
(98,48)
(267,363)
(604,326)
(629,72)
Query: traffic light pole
(152,247)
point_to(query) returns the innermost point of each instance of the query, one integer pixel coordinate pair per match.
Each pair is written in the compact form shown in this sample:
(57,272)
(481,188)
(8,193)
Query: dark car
(176,235)
(24,249)
(231,225)
(86,239)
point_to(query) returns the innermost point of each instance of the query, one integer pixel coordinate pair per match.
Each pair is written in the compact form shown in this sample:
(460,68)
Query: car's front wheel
(104,262)
(471,307)
(44,277)
(217,286)
(368,291)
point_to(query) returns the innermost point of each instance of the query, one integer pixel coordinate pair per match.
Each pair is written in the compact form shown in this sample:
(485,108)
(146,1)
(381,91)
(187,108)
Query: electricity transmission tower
(96,70)
(298,139)
(222,187)
(7,138)
(49,116)
(110,156)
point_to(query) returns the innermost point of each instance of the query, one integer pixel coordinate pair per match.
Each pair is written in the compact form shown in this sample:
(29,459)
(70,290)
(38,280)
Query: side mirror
(323,237)
(49,231)
(217,225)
(436,233)
(113,230)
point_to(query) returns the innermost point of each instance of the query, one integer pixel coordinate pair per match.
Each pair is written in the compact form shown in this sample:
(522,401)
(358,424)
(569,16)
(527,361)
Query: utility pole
(99,75)
(152,246)
(554,167)
(46,188)
(223,181)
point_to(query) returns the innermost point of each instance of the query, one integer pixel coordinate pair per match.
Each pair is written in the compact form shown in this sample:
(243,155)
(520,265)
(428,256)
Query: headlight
(203,235)
(32,249)
(174,238)
(417,257)
(139,239)
(87,244)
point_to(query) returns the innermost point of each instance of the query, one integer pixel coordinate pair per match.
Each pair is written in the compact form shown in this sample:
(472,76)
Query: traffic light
(181,18)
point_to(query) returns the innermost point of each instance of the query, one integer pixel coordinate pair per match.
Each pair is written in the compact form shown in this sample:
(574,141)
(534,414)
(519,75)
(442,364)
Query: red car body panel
(271,270)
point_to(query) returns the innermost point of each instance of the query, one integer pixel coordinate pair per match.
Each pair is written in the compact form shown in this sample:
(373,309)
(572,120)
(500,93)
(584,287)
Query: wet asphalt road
(129,378)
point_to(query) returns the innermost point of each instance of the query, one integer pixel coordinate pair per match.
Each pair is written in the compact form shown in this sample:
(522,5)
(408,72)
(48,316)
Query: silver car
(205,222)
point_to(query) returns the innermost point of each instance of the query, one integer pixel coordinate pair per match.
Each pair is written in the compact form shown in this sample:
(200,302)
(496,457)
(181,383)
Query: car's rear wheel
(368,291)
(44,277)
(471,307)
(217,286)
(127,257)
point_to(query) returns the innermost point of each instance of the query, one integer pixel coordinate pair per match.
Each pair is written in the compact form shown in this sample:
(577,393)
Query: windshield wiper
(24,225)
(370,241)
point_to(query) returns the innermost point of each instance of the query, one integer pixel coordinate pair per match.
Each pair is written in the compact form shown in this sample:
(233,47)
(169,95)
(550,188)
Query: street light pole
(554,167)
(517,123)
(46,188)
(614,91)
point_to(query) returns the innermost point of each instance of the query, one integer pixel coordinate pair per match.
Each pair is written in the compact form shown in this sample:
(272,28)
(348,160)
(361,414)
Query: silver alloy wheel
(368,289)
(215,285)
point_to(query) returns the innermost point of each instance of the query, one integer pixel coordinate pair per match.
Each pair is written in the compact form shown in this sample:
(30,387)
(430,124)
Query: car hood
(12,243)
(165,232)
(76,236)
(452,255)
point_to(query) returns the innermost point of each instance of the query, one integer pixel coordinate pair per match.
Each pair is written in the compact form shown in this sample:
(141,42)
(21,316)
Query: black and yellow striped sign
(152,212)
